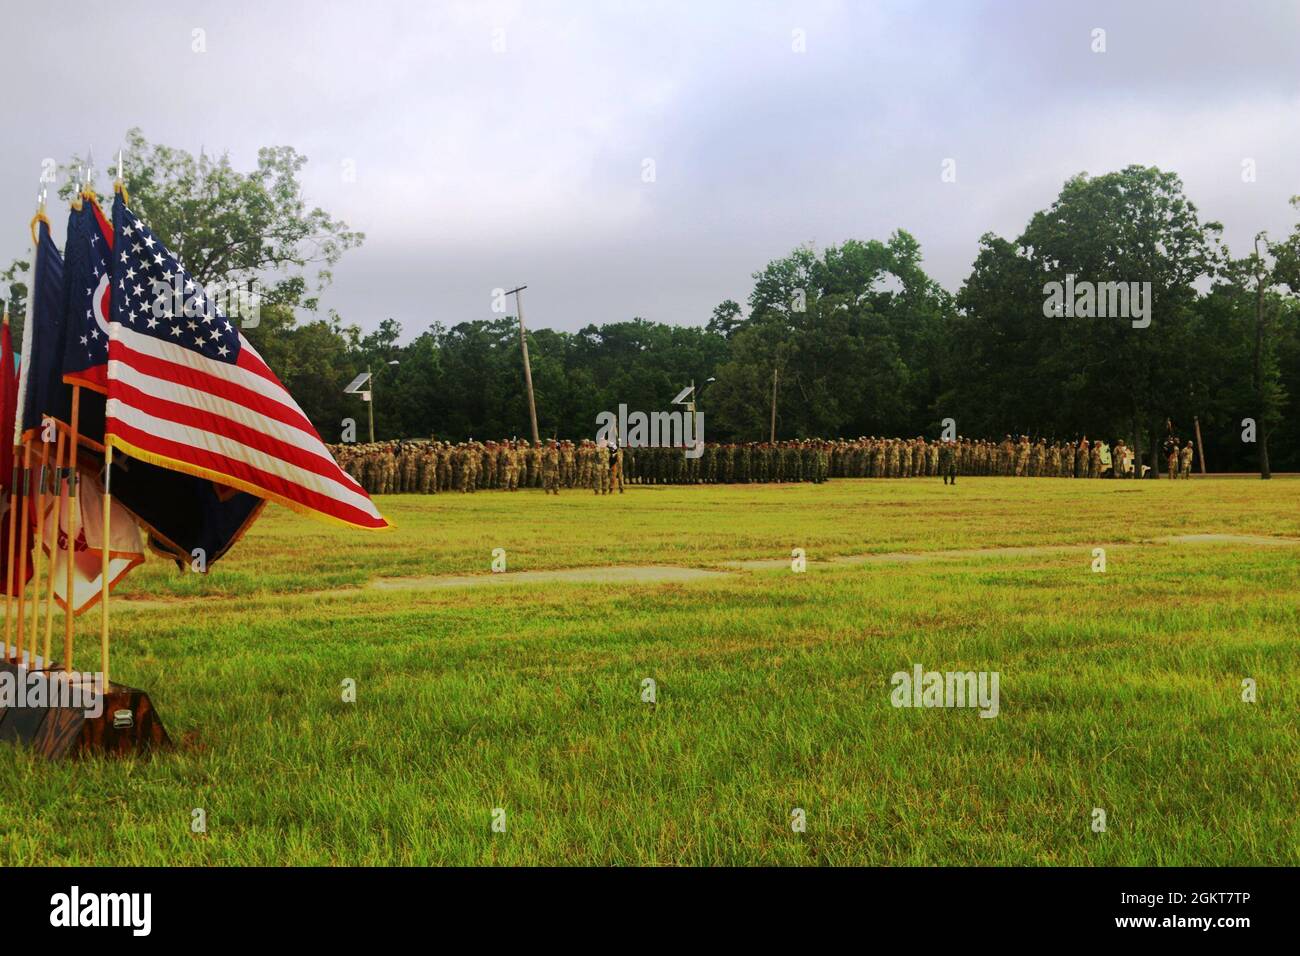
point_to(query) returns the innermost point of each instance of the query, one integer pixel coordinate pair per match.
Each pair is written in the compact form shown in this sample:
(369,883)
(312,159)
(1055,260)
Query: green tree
(1070,375)
(726,318)
(230,226)
(854,336)
(1271,271)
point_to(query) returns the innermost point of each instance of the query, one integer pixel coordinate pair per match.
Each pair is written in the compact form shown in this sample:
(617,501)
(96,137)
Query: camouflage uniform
(948,463)
(551,468)
(568,467)
(602,469)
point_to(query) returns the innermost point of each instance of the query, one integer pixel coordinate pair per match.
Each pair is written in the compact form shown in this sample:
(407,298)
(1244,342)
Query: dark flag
(87,272)
(27,397)
(187,518)
(43,392)
(90,277)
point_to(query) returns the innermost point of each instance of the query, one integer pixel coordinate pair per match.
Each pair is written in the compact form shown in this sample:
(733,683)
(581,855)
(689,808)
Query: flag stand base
(127,722)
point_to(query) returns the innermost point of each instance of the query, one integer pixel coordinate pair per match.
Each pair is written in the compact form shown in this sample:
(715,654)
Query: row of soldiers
(732,463)
(1022,458)
(816,460)
(430,467)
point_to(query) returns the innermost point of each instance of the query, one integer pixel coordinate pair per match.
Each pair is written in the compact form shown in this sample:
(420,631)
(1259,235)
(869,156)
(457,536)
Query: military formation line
(430,467)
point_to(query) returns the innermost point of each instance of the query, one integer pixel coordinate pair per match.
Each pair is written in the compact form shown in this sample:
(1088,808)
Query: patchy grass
(1119,690)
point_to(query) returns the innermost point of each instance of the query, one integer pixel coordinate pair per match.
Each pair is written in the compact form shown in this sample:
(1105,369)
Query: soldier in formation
(439,467)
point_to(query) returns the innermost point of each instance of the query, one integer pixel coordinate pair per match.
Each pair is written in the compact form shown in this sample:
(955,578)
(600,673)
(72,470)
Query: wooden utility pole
(528,370)
(773,438)
(1200,445)
(1261,437)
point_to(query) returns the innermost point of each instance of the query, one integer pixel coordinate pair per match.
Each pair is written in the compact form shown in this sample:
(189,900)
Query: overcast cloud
(477,169)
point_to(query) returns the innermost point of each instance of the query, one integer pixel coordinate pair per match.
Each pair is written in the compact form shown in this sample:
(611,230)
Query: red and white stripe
(222,420)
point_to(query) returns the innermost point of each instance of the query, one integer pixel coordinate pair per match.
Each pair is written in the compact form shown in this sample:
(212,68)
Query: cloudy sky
(503,143)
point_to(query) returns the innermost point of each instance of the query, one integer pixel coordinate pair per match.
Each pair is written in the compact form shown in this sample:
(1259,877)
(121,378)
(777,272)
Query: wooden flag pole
(22,550)
(40,531)
(104,562)
(9,573)
(69,602)
(61,500)
(13,538)
(107,502)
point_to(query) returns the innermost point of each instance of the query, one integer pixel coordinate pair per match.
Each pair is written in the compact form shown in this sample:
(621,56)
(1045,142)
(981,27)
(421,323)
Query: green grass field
(1119,691)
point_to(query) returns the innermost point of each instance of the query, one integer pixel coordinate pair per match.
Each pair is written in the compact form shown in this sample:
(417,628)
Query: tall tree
(231,226)
(1130,226)
(1275,267)
(855,333)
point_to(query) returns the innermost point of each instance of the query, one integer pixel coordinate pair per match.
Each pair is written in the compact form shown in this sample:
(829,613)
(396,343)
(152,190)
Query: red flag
(8,494)
(8,406)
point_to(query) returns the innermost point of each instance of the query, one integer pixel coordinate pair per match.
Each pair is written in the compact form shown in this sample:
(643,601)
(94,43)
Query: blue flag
(45,393)
(89,273)
(190,520)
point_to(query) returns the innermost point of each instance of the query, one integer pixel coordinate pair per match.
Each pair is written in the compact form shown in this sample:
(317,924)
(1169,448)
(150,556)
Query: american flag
(187,391)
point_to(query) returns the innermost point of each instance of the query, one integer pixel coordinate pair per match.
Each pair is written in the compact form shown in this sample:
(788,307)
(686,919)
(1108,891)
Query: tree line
(851,340)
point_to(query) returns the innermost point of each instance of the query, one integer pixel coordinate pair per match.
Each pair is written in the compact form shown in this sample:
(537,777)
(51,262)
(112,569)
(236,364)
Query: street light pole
(695,396)
(368,396)
(528,371)
(370,405)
